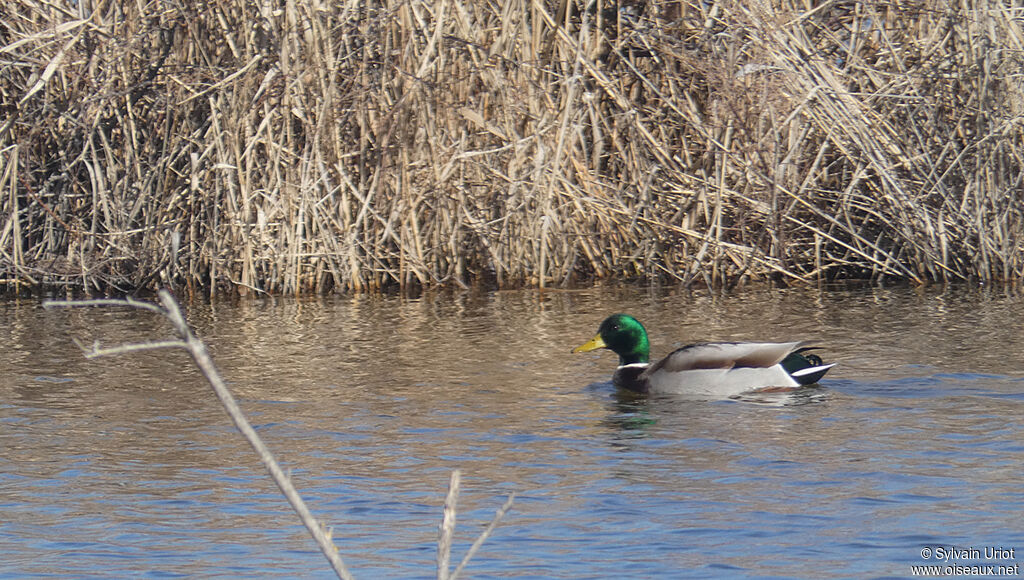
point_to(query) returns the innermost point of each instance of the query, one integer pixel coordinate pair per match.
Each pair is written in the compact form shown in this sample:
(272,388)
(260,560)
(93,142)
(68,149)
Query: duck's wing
(724,355)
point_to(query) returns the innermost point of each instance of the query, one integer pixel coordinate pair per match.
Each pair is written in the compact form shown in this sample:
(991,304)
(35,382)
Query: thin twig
(201,357)
(505,507)
(447,528)
(94,351)
(197,349)
(129,302)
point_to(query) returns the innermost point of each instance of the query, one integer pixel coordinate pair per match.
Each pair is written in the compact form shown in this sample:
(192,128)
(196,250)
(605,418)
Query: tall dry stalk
(315,146)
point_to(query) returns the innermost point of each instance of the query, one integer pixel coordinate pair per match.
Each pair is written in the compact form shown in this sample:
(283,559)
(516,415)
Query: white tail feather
(811,370)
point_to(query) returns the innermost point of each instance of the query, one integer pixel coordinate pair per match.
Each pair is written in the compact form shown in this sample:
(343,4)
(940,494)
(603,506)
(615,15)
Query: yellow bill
(594,344)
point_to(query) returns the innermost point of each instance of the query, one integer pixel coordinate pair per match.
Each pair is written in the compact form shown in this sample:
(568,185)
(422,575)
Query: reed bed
(310,146)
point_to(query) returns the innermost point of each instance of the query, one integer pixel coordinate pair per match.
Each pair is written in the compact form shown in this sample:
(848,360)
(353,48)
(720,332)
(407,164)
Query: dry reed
(309,146)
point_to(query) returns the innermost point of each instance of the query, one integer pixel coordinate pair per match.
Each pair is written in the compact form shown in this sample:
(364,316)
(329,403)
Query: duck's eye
(615,327)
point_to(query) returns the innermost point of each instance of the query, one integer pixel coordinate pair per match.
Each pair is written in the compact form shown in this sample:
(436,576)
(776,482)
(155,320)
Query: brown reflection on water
(500,360)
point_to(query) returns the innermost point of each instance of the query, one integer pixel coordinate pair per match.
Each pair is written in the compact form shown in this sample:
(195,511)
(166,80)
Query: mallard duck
(720,369)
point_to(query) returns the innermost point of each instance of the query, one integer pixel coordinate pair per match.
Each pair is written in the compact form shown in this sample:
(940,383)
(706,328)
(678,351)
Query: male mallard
(712,368)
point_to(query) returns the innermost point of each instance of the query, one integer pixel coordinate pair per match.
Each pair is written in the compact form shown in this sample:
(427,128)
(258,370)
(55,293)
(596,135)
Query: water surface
(127,466)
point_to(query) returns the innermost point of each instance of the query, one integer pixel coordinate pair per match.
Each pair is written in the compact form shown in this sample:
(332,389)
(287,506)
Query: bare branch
(126,302)
(197,349)
(201,357)
(94,351)
(484,535)
(447,528)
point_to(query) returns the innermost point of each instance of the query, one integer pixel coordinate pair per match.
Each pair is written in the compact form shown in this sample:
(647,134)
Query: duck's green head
(623,335)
